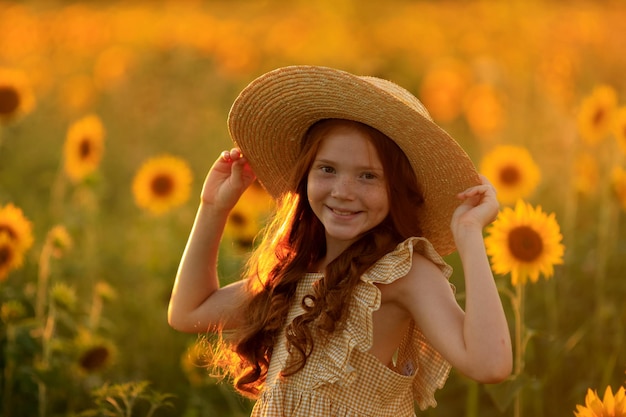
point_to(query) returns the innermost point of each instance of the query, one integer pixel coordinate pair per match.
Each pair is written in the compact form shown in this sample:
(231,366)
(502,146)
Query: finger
(485,188)
(484,180)
(226,156)
(240,165)
(470,192)
(232,155)
(236,154)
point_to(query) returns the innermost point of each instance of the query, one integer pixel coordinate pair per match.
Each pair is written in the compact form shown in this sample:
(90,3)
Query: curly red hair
(293,243)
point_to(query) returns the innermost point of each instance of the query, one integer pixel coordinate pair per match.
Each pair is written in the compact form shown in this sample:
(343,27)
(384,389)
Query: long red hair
(292,244)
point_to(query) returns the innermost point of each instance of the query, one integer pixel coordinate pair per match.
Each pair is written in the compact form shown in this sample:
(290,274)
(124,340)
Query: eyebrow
(359,168)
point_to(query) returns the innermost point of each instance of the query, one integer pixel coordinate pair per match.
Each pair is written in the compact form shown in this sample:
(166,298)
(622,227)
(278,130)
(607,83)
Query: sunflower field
(112,112)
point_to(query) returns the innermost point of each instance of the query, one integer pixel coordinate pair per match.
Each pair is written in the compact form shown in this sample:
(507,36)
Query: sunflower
(10,256)
(610,406)
(595,116)
(443,89)
(484,111)
(84,146)
(59,240)
(512,171)
(618,177)
(95,358)
(17,227)
(16,95)
(12,311)
(105,291)
(94,354)
(525,242)
(64,296)
(619,128)
(247,217)
(111,67)
(162,183)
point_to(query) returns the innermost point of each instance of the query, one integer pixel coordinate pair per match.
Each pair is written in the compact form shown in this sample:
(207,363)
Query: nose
(343,188)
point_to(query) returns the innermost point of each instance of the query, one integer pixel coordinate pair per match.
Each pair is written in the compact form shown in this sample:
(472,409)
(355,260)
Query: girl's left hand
(479,207)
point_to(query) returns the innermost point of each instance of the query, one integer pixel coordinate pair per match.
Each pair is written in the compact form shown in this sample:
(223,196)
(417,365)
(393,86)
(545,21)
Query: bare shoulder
(422,274)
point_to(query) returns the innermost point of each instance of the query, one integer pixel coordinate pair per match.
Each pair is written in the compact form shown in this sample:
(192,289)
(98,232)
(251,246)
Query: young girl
(346,308)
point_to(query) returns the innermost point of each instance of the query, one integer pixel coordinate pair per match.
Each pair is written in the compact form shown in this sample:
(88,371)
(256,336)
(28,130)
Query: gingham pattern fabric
(341,378)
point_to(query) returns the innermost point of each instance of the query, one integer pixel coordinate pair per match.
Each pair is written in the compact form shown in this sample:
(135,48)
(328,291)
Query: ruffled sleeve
(415,355)
(333,359)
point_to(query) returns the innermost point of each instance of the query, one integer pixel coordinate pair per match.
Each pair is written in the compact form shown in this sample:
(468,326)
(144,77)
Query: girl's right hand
(227,179)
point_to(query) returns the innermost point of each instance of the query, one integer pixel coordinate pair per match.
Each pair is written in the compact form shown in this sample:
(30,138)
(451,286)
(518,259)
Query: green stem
(96,310)
(471,407)
(520,345)
(57,193)
(607,225)
(7,389)
(42,279)
(42,394)
(152,409)
(48,333)
(47,326)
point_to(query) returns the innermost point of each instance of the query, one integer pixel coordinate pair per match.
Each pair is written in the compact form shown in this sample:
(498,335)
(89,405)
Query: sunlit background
(111,113)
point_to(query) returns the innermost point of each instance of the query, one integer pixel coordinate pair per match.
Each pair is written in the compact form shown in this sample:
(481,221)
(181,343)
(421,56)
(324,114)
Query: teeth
(342,213)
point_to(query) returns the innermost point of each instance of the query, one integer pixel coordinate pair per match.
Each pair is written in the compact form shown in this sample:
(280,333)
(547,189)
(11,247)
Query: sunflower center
(9,100)
(237,219)
(94,358)
(525,244)
(598,117)
(509,175)
(8,231)
(162,185)
(244,243)
(85,148)
(5,255)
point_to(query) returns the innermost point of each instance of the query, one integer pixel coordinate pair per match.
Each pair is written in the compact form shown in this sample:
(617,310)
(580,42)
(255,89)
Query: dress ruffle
(416,355)
(333,359)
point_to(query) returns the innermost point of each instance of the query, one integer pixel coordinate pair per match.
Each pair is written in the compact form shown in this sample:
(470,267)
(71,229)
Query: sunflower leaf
(504,393)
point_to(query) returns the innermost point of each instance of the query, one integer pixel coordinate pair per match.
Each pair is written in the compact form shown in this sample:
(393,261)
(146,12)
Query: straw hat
(271,115)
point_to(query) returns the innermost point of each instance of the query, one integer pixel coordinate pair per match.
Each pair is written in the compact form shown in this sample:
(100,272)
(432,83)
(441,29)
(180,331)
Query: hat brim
(270,117)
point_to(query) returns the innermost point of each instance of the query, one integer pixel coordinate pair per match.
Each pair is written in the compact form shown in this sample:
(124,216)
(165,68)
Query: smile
(343,212)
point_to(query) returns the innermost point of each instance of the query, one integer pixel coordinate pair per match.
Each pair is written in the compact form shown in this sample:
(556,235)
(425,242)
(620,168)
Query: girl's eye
(369,176)
(327,169)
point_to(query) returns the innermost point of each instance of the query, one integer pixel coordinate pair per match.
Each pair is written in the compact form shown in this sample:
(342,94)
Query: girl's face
(347,189)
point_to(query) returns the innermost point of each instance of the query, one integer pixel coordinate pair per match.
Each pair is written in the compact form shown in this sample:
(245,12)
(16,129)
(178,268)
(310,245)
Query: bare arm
(197,302)
(475,341)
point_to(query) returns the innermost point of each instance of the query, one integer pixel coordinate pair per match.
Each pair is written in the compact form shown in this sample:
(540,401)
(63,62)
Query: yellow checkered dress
(342,379)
